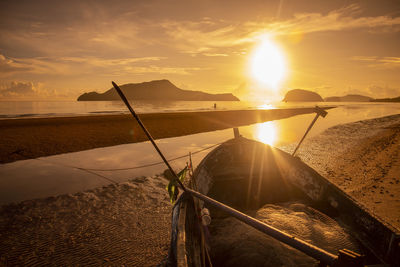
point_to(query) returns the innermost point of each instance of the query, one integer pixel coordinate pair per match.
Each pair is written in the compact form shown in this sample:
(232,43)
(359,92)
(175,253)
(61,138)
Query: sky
(52,49)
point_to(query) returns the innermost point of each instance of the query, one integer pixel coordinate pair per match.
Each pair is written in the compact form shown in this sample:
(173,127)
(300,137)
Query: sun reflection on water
(267,132)
(266,106)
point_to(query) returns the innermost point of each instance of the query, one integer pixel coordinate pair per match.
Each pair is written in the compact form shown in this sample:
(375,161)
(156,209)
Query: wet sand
(129,224)
(38,137)
(363,159)
(118,225)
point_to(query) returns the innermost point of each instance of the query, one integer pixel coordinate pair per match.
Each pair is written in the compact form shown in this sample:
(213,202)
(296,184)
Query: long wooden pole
(307,248)
(320,112)
(299,244)
(147,133)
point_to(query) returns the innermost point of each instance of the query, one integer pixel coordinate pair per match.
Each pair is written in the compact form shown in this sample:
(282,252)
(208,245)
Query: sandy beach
(118,225)
(129,224)
(38,137)
(362,158)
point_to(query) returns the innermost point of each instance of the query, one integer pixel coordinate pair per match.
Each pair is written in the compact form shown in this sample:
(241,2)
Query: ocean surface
(28,109)
(74,172)
(33,109)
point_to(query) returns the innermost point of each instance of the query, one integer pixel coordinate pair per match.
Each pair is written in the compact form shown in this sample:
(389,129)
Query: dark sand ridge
(38,137)
(129,224)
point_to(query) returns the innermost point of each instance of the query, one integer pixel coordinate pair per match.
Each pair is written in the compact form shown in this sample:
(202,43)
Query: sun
(268,64)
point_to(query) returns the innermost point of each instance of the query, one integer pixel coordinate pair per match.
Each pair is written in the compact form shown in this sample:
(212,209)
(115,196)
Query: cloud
(378,91)
(19,89)
(215,55)
(155,69)
(81,28)
(99,30)
(373,90)
(381,62)
(83,65)
(206,37)
(323,90)
(8,66)
(201,36)
(346,18)
(37,65)
(109,62)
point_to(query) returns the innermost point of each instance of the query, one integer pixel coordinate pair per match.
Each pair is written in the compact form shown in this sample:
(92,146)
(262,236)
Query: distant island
(156,90)
(348,98)
(395,99)
(300,95)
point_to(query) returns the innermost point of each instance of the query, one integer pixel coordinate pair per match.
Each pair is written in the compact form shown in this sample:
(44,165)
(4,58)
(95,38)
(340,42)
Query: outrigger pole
(307,248)
(320,112)
(147,133)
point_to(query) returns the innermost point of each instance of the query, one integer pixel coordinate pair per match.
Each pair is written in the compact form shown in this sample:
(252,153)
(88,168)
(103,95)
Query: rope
(93,171)
(152,164)
(19,152)
(102,176)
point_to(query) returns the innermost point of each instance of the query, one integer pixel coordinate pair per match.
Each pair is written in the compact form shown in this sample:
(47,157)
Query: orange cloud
(380,62)
(205,36)
(8,66)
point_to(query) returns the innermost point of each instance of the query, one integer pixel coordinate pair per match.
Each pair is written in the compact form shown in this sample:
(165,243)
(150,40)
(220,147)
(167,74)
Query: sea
(122,162)
(35,109)
(38,109)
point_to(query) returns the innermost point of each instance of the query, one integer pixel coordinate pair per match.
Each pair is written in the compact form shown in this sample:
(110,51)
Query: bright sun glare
(268,64)
(267,132)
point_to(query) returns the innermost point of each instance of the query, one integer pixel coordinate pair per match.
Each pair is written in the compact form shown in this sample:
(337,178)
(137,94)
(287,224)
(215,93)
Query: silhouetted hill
(348,98)
(395,99)
(300,95)
(155,90)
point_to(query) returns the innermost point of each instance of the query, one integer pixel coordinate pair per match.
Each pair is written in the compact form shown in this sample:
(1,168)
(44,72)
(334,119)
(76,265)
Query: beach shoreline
(38,137)
(129,223)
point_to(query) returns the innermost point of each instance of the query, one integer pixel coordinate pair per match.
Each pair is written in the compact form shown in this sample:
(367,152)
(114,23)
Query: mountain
(395,99)
(348,98)
(155,90)
(300,95)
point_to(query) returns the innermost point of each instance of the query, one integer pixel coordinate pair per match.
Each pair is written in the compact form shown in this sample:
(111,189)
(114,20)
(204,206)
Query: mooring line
(153,164)
(93,171)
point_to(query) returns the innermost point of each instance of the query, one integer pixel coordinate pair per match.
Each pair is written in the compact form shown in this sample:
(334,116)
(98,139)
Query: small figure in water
(215,105)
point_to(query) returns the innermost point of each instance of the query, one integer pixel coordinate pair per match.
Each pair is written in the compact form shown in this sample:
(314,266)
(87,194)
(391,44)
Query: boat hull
(259,174)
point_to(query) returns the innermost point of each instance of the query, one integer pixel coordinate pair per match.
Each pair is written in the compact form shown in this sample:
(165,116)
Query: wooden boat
(246,174)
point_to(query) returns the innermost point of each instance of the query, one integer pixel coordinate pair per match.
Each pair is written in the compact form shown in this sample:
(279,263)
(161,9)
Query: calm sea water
(23,109)
(31,109)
